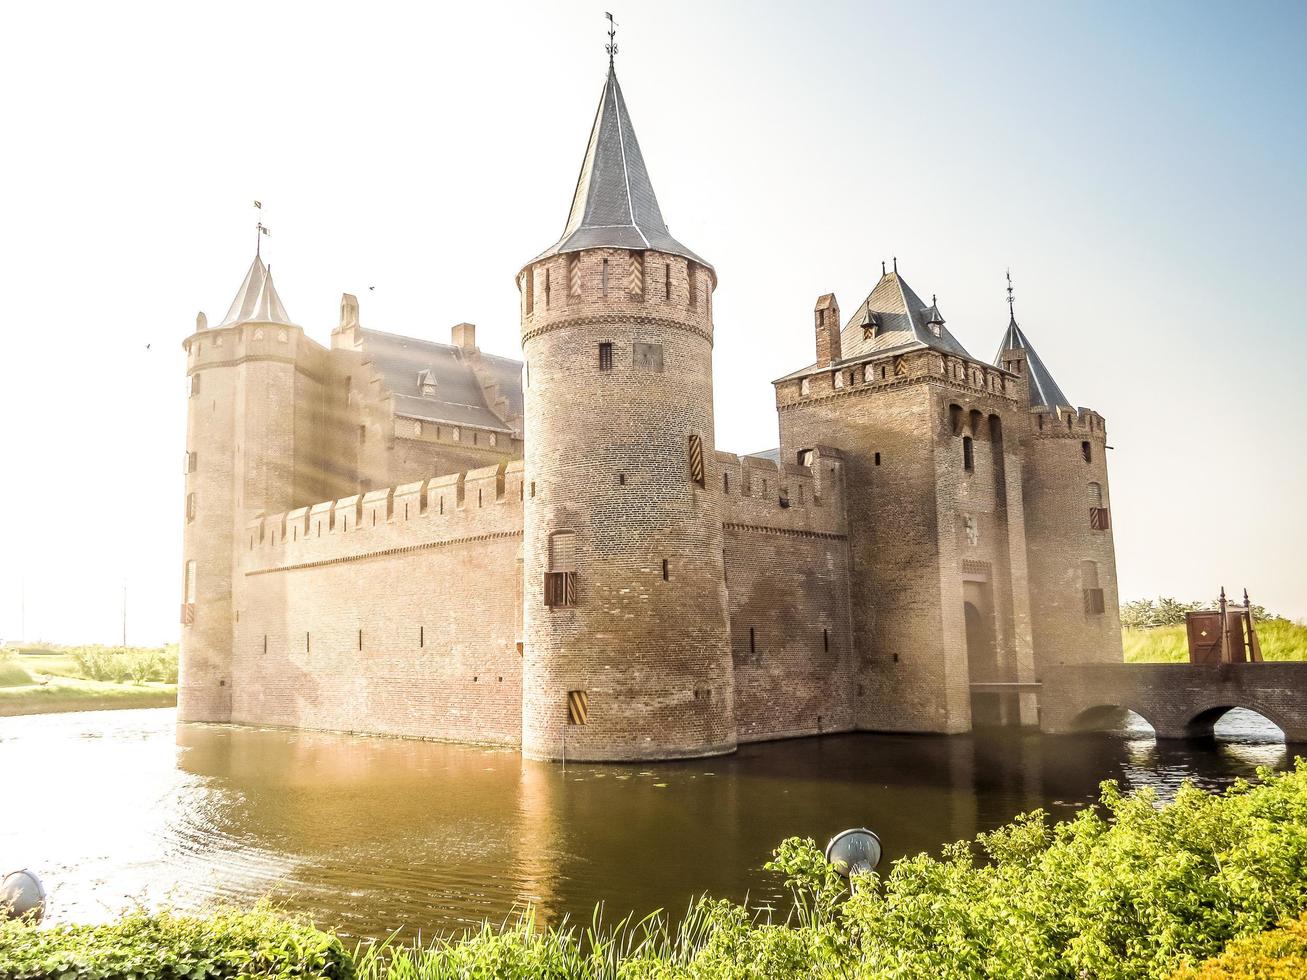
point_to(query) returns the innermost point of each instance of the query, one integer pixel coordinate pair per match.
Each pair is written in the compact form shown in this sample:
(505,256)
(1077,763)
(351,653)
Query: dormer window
(426,384)
(870,325)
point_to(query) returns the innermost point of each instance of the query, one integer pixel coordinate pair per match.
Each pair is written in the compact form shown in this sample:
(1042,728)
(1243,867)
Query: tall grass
(12,673)
(1280,640)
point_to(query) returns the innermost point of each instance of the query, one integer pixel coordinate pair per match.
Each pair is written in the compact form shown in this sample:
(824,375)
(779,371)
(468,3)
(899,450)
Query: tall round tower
(240,442)
(627,651)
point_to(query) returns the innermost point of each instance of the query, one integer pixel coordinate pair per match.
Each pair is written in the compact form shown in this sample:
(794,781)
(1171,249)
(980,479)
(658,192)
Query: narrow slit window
(667,281)
(968,454)
(190,508)
(529,290)
(603,280)
(666,571)
(753,640)
(360,639)
(878,459)
(422,636)
(825,640)
(1087,451)
(605,356)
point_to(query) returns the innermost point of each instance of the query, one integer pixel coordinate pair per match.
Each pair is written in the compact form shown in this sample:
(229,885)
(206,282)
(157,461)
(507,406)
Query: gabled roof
(614,204)
(257,300)
(902,321)
(1044,392)
(458,398)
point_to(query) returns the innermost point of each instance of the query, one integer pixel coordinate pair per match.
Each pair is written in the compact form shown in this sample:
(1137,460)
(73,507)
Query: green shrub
(1280,954)
(227,944)
(120,665)
(12,673)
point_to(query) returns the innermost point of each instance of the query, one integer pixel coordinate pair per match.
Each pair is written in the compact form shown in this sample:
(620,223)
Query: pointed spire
(1044,391)
(257,300)
(614,204)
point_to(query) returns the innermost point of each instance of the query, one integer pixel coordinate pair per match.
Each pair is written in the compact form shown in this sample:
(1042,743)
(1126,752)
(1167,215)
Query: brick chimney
(826,317)
(464,335)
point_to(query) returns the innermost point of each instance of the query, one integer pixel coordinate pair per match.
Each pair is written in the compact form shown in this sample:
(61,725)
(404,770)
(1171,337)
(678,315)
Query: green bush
(227,944)
(12,673)
(1280,954)
(120,665)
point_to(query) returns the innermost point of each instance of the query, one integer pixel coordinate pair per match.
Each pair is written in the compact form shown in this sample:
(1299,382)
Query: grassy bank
(1280,639)
(89,678)
(1126,891)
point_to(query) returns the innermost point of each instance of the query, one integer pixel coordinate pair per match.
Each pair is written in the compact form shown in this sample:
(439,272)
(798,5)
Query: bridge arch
(1108,717)
(1202,720)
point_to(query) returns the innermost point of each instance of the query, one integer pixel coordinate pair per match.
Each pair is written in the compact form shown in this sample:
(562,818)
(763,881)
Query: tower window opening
(1087,451)
(825,640)
(605,355)
(360,639)
(603,280)
(692,283)
(753,640)
(265,643)
(560,580)
(635,277)
(363,433)
(422,636)
(573,275)
(547,289)
(195,384)
(667,281)
(878,459)
(529,291)
(968,454)
(192,462)
(726,482)
(1093,593)
(666,571)
(307,643)
(190,508)
(621,479)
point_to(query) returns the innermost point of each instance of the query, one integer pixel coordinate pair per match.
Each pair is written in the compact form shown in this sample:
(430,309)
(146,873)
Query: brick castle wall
(396,612)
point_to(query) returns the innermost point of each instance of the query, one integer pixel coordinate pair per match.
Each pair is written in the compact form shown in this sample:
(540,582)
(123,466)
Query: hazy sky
(1140,167)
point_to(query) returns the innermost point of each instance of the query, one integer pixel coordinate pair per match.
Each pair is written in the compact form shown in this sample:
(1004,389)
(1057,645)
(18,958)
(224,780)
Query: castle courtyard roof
(1044,392)
(436,383)
(614,205)
(257,300)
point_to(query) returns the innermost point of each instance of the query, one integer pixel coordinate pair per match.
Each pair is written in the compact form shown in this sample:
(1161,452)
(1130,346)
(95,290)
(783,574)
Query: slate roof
(458,398)
(614,204)
(901,320)
(257,300)
(1044,392)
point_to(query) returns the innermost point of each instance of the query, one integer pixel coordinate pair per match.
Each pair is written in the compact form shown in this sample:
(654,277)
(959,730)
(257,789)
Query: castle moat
(367,835)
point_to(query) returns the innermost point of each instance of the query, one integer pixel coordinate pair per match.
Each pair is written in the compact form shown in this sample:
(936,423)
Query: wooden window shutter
(696,461)
(578,707)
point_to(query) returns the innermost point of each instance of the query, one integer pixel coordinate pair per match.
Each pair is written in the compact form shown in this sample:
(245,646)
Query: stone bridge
(1178,700)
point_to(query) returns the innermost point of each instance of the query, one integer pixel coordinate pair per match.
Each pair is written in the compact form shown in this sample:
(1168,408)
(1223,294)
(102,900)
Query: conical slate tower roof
(257,301)
(1044,392)
(614,205)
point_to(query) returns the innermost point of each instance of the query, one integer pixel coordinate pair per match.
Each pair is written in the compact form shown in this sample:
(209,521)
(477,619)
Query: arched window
(1093,593)
(968,454)
(955,419)
(1087,451)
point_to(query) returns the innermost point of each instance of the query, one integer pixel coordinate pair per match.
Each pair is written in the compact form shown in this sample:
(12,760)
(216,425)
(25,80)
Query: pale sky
(1140,167)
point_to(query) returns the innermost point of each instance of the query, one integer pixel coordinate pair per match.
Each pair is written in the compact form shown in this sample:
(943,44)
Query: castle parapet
(760,493)
(1067,423)
(442,509)
(896,370)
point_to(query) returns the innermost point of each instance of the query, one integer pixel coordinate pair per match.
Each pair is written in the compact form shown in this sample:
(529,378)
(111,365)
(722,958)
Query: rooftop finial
(260,230)
(611,46)
(896,265)
(1011,315)
(882,267)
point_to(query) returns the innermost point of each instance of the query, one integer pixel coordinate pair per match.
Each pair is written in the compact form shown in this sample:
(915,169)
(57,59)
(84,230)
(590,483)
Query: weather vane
(1010,313)
(611,46)
(260,230)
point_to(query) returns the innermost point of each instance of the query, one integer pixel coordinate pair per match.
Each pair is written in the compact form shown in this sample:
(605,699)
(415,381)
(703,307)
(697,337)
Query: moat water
(366,835)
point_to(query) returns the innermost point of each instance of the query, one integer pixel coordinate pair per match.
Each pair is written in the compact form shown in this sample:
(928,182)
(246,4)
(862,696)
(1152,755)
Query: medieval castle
(403,537)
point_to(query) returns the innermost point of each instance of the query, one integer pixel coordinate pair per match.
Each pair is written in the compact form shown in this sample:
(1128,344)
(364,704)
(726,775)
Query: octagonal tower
(627,652)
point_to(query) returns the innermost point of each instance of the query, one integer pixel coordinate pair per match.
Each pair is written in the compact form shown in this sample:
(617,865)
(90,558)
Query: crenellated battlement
(1064,422)
(442,509)
(893,370)
(763,494)
(225,346)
